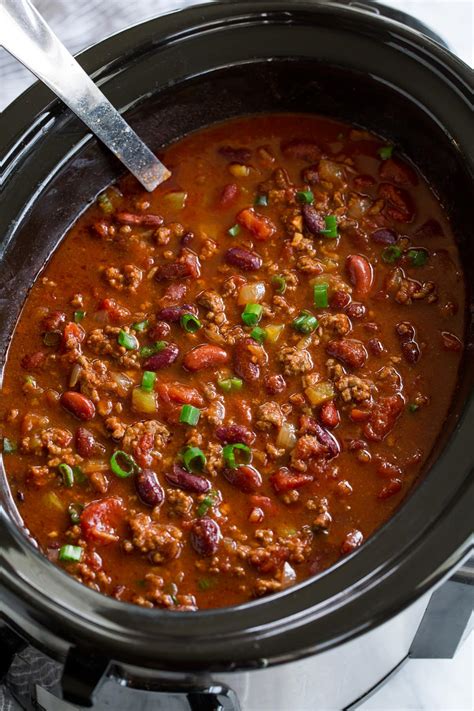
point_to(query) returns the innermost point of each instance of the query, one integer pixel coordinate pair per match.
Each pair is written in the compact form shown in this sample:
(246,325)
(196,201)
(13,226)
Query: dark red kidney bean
(352,541)
(129,218)
(33,361)
(233,433)
(149,488)
(339,300)
(405,331)
(232,153)
(360,273)
(301,150)
(243,361)
(450,341)
(356,310)
(327,440)
(188,265)
(245,478)
(205,536)
(349,351)
(243,259)
(388,469)
(159,331)
(228,195)
(172,314)
(411,351)
(78,405)
(329,414)
(354,445)
(85,442)
(313,220)
(182,479)
(375,346)
(384,236)
(275,384)
(163,359)
(390,489)
(205,356)
(53,321)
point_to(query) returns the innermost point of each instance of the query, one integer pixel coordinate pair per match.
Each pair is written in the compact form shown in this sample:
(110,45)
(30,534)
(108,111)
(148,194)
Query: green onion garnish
(67,474)
(127,340)
(234,230)
(418,257)
(74,511)
(258,334)
(79,476)
(193,459)
(261,200)
(229,454)
(9,446)
(105,203)
(305,322)
(305,196)
(228,384)
(70,554)
(391,254)
(120,458)
(205,584)
(413,407)
(189,415)
(252,314)
(140,325)
(279,283)
(79,315)
(148,381)
(190,323)
(147,351)
(208,501)
(331,226)
(385,152)
(320,293)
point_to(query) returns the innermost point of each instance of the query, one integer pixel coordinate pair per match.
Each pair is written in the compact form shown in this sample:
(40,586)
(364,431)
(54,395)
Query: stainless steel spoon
(25,34)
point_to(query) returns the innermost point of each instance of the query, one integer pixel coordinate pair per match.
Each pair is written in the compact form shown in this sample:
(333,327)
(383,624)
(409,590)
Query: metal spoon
(25,34)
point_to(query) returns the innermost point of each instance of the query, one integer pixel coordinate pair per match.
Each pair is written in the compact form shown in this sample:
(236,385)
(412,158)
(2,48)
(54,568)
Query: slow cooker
(326,642)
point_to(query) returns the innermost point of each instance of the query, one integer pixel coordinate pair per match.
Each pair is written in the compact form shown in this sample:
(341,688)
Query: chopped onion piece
(288,575)
(331,171)
(75,373)
(286,436)
(123,382)
(251,293)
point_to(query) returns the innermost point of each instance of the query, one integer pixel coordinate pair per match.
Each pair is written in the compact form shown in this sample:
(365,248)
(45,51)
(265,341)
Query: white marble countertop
(444,685)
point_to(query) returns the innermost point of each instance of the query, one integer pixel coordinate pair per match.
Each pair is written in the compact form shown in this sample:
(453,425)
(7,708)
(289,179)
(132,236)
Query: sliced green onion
(208,502)
(79,476)
(234,230)
(189,415)
(79,315)
(305,322)
(105,203)
(331,227)
(413,407)
(190,323)
(229,454)
(140,325)
(228,384)
(70,554)
(148,381)
(385,152)
(127,340)
(252,314)
(9,446)
(279,283)
(418,257)
(147,351)
(193,459)
(320,292)
(258,334)
(74,511)
(205,584)
(51,339)
(305,196)
(261,200)
(391,254)
(67,474)
(119,457)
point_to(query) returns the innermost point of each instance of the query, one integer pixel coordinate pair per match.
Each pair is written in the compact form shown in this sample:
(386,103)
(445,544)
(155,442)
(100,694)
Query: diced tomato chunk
(284,480)
(260,226)
(177,392)
(100,519)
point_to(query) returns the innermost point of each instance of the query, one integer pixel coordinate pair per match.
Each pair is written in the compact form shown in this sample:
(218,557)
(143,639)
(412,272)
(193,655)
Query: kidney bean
(53,321)
(205,356)
(388,469)
(398,203)
(429,229)
(205,536)
(163,359)
(327,440)
(383,417)
(411,351)
(329,414)
(375,347)
(393,169)
(450,341)
(33,361)
(384,236)
(159,331)
(243,259)
(285,480)
(149,488)
(228,195)
(301,150)
(339,300)
(86,444)
(275,384)
(360,273)
(313,220)
(182,479)
(128,218)
(390,489)
(352,541)
(172,314)
(244,360)
(356,310)
(405,331)
(233,433)
(245,478)
(349,351)
(354,445)
(234,154)
(310,174)
(187,266)
(78,405)
(260,226)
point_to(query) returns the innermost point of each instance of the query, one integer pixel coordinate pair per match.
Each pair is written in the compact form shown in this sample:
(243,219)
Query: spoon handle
(25,34)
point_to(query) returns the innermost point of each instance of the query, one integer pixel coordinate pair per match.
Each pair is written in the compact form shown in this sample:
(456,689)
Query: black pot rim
(384,577)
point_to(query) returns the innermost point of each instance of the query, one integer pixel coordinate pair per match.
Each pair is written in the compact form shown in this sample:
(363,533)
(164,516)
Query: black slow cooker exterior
(172,75)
